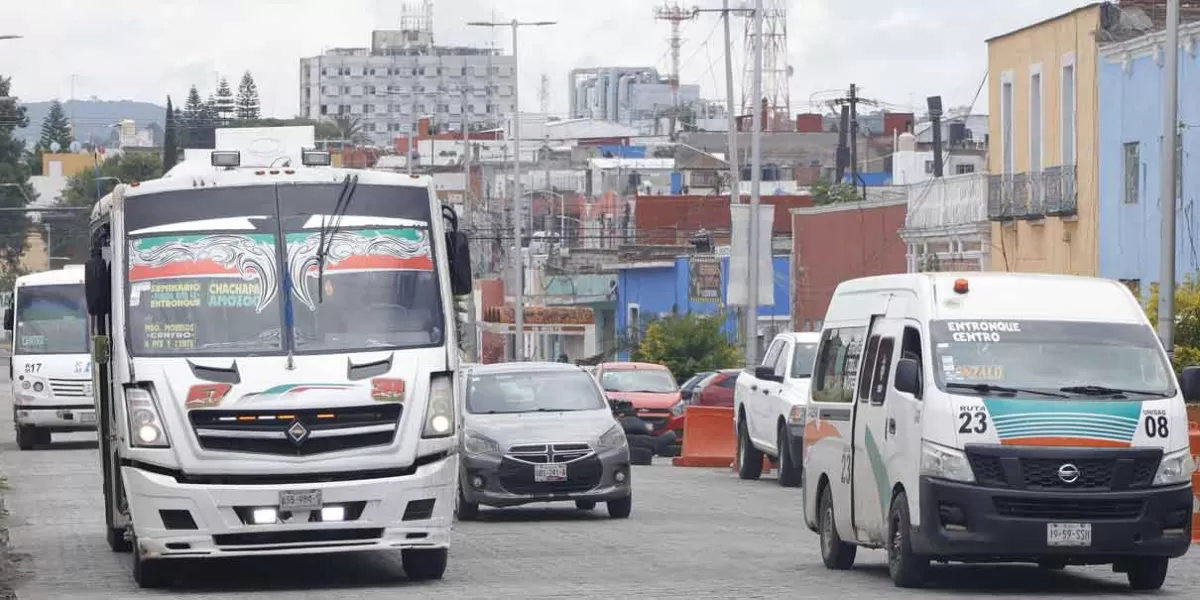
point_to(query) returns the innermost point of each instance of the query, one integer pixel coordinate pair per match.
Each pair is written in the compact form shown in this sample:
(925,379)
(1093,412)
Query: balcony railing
(1032,195)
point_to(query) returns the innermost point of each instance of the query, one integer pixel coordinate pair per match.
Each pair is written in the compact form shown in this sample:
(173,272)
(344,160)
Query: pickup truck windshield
(51,319)
(802,360)
(652,381)
(533,391)
(222,283)
(1069,358)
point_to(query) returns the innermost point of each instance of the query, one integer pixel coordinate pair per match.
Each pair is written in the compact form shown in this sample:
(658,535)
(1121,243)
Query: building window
(370,90)
(928,167)
(368,108)
(1006,125)
(324,109)
(1133,169)
(963,169)
(1035,121)
(1068,114)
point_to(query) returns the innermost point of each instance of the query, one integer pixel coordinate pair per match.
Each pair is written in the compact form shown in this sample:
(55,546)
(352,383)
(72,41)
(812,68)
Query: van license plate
(87,417)
(1068,534)
(549,473)
(300,500)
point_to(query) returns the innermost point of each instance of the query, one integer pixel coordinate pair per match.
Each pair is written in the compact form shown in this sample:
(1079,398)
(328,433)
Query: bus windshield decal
(249,257)
(404,249)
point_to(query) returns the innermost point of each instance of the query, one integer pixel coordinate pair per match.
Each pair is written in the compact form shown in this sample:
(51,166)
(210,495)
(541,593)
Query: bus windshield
(1064,358)
(224,284)
(51,319)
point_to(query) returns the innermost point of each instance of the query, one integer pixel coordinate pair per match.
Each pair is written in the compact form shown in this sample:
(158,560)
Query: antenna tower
(674,14)
(544,94)
(775,70)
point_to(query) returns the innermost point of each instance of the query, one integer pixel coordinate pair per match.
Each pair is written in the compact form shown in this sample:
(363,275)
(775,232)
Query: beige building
(1042,92)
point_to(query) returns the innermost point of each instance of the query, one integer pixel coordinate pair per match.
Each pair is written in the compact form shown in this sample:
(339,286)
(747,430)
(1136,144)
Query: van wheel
(835,553)
(906,568)
(1147,573)
(789,470)
(424,564)
(749,458)
(26,437)
(149,573)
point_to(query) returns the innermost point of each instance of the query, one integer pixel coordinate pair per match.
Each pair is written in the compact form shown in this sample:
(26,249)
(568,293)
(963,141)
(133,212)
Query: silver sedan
(540,432)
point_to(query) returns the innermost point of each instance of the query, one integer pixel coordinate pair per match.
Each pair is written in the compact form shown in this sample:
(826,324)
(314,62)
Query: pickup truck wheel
(789,470)
(749,458)
(835,553)
(1147,573)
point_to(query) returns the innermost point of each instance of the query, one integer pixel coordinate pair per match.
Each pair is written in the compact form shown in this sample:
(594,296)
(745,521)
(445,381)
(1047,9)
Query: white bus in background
(50,369)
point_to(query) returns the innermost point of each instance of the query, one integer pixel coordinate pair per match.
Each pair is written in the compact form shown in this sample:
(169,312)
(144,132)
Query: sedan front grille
(296,432)
(517,477)
(549,453)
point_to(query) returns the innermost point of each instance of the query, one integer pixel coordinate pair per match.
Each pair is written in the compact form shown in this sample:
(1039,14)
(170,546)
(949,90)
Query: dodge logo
(1069,473)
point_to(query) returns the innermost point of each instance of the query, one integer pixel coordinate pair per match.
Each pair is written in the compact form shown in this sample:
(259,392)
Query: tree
(181,131)
(56,128)
(688,344)
(170,139)
(825,192)
(350,129)
(223,104)
(70,234)
(15,189)
(198,121)
(1187,321)
(247,107)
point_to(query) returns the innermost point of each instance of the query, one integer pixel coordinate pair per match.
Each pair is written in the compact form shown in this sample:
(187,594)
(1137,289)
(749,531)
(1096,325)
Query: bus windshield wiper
(987,388)
(1099,390)
(330,228)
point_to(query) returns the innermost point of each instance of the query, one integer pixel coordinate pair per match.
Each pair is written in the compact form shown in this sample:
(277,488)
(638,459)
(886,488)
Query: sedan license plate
(87,417)
(1068,534)
(300,500)
(549,473)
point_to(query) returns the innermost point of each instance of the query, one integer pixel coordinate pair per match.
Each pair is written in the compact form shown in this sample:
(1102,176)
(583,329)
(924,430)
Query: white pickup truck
(768,407)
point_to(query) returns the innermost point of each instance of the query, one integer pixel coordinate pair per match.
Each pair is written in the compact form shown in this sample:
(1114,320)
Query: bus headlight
(145,423)
(439,414)
(1175,468)
(945,463)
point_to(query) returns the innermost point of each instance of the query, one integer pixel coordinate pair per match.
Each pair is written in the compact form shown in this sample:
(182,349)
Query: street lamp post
(519,298)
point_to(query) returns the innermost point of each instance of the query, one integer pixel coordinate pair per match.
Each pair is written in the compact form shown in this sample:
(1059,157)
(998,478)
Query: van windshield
(1068,357)
(51,319)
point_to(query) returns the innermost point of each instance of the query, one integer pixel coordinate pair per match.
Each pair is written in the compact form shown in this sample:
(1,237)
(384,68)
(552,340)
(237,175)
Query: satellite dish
(76,147)
(55,147)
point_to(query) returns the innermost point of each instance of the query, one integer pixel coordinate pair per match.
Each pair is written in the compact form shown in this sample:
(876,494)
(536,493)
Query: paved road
(694,533)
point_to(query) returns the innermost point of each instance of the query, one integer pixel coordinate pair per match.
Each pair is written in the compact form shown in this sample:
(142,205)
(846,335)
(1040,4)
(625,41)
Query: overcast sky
(897,51)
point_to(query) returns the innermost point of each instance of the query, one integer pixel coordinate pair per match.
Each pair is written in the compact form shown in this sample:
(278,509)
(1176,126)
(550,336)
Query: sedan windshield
(1071,359)
(656,381)
(533,391)
(51,319)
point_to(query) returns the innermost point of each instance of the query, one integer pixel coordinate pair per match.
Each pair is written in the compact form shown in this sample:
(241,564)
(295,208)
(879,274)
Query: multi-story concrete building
(404,76)
(634,96)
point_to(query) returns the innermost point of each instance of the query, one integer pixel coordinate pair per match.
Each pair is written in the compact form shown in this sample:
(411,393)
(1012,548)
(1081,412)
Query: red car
(651,389)
(716,389)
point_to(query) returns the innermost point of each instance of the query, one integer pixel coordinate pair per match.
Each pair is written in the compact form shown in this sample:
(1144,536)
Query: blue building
(1130,134)
(646,291)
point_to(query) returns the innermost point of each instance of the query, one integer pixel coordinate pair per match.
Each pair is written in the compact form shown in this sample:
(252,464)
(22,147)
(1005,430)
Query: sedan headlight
(477,443)
(945,463)
(145,423)
(1176,467)
(613,438)
(439,414)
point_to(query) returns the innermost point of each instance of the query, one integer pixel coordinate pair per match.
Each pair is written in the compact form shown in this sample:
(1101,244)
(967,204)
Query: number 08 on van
(995,417)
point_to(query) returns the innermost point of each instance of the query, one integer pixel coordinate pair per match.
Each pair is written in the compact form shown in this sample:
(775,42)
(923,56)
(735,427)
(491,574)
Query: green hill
(93,119)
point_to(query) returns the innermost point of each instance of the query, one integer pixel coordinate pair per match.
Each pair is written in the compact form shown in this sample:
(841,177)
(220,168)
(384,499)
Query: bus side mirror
(459,249)
(97,284)
(908,377)
(1189,384)
(8,319)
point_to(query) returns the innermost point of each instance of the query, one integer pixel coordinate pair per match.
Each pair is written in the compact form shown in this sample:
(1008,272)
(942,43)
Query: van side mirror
(8,319)
(1189,384)
(765,373)
(908,377)
(97,285)
(459,248)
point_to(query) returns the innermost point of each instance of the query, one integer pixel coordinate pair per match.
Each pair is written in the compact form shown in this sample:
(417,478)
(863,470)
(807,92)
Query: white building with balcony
(946,227)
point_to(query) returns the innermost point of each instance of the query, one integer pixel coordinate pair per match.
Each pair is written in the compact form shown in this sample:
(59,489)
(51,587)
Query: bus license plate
(87,417)
(1068,534)
(549,473)
(300,500)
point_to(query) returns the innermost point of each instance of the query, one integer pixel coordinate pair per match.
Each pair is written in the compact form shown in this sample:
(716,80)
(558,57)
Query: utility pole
(519,296)
(467,223)
(755,184)
(851,101)
(1166,278)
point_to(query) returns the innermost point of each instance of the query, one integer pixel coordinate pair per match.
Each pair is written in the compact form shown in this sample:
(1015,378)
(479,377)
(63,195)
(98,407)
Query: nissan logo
(1069,473)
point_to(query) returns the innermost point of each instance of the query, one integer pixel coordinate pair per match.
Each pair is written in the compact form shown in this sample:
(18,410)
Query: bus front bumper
(973,523)
(183,520)
(78,415)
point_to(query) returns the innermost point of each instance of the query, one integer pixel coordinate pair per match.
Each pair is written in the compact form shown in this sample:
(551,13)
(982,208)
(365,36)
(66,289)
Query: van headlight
(1174,468)
(439,414)
(945,463)
(146,428)
(477,443)
(613,438)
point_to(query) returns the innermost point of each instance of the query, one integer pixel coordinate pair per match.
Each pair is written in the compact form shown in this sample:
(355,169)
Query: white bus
(50,369)
(275,361)
(996,417)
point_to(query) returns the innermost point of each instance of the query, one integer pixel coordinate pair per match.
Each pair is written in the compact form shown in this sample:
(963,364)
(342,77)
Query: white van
(50,368)
(995,417)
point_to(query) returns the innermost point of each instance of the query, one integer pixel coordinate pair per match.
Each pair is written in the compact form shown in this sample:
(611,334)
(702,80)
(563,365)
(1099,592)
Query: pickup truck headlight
(945,463)
(146,428)
(1176,467)
(477,443)
(613,438)
(439,414)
